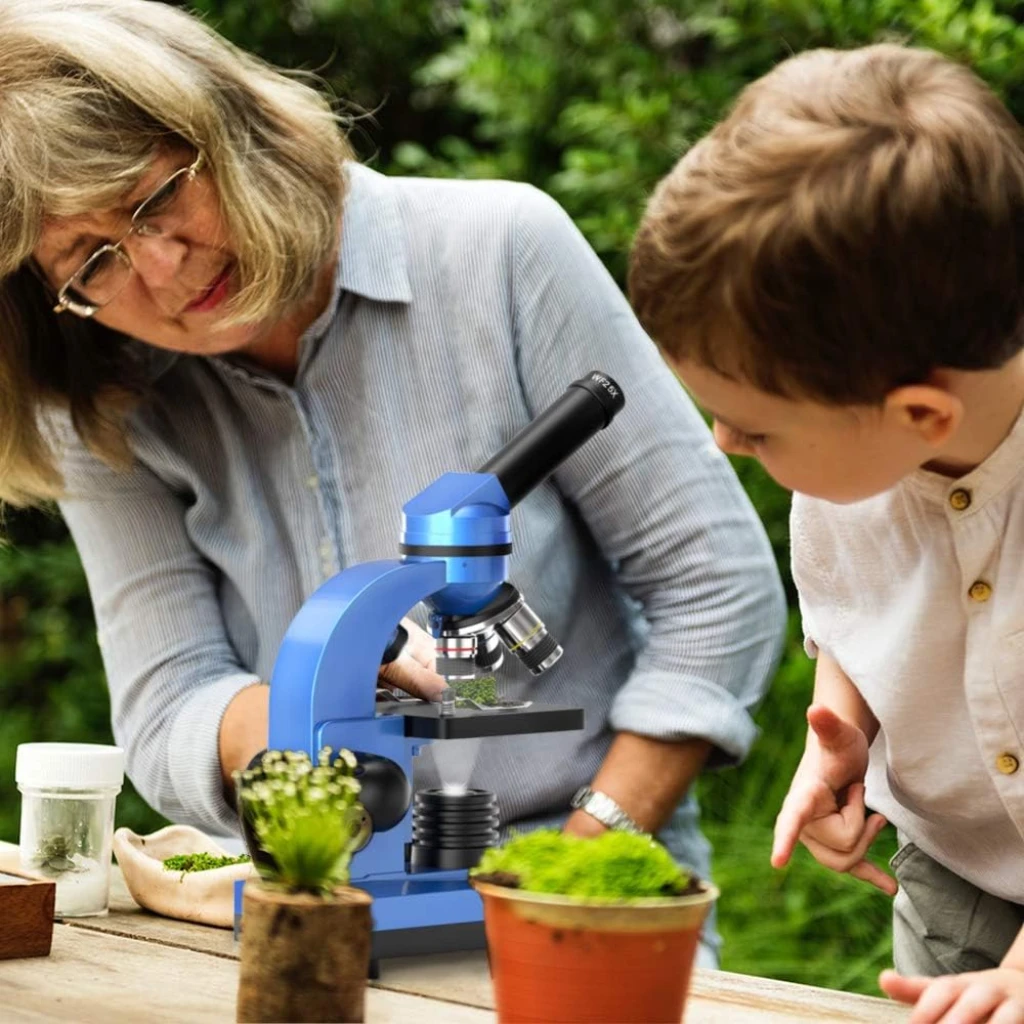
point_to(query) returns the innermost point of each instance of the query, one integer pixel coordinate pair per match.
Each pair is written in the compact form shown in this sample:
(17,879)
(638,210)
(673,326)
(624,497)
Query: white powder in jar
(82,890)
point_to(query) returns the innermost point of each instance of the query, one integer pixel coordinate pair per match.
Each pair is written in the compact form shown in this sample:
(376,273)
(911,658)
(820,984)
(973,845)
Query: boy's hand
(996,996)
(824,808)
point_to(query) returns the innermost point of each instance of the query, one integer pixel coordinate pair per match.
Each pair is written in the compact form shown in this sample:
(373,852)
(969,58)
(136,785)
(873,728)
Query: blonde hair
(90,92)
(854,223)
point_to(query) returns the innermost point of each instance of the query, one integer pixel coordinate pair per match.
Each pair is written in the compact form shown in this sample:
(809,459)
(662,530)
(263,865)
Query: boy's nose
(728,440)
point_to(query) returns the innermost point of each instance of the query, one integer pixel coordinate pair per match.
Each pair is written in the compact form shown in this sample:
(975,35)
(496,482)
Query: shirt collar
(1000,470)
(373,258)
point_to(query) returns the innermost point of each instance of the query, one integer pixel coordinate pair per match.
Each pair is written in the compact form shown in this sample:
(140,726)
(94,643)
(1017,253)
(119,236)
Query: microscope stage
(425,721)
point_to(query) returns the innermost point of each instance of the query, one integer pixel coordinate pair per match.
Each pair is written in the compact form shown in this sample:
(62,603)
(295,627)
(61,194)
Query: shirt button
(980,591)
(960,499)
(1007,764)
(312,482)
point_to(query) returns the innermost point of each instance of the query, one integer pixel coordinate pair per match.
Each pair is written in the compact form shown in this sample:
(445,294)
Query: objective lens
(455,656)
(489,652)
(527,637)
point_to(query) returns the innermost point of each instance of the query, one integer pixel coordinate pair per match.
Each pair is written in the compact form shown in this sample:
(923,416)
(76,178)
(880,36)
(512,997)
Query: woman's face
(183,267)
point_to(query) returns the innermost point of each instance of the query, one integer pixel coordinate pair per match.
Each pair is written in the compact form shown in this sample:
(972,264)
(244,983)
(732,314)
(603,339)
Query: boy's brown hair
(856,222)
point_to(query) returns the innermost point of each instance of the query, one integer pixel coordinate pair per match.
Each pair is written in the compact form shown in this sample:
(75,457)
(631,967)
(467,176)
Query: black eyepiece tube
(588,405)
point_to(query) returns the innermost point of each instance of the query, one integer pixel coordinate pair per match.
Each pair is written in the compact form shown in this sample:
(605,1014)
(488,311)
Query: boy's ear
(931,412)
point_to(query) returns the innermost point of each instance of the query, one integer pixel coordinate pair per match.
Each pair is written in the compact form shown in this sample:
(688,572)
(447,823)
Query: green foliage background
(591,100)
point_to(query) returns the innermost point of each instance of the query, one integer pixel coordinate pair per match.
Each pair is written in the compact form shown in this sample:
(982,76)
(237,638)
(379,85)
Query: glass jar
(68,792)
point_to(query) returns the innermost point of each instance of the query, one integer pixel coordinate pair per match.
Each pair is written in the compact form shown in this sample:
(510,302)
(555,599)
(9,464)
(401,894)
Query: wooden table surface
(135,966)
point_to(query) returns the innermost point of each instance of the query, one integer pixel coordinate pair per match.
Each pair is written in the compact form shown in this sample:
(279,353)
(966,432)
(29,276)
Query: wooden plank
(95,978)
(457,977)
(384,1007)
(717,997)
(720,997)
(129,920)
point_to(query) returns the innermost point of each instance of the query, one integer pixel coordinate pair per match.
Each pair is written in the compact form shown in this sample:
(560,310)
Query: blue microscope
(455,547)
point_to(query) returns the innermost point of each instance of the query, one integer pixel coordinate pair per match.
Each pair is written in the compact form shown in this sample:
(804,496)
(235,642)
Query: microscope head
(464,519)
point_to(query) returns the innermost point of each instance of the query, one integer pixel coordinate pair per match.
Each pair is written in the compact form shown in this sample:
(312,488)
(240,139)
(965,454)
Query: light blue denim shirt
(460,311)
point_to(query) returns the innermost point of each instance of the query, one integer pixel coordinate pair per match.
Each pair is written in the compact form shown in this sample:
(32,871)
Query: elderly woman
(233,353)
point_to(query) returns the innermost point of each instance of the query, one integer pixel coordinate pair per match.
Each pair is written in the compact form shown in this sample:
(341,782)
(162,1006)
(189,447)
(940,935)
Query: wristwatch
(605,810)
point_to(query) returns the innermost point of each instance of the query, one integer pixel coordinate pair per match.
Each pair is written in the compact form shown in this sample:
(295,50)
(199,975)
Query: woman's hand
(978,997)
(413,669)
(244,727)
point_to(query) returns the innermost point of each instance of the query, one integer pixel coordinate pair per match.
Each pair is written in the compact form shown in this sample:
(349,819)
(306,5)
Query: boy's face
(841,454)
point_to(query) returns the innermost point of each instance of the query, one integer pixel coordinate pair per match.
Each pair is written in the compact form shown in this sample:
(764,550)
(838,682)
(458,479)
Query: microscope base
(436,912)
(437,938)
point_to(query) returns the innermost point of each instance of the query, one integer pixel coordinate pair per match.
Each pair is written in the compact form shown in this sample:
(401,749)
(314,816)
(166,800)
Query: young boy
(837,273)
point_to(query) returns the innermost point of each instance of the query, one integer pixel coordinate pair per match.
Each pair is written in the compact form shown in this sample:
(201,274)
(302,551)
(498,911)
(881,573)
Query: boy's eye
(741,437)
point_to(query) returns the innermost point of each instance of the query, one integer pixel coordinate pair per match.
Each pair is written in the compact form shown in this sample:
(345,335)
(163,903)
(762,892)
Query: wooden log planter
(305,953)
(303,957)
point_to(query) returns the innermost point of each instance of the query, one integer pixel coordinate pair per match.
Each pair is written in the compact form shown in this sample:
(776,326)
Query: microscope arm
(327,665)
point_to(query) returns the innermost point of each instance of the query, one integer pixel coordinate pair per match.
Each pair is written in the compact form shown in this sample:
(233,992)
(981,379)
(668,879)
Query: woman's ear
(930,412)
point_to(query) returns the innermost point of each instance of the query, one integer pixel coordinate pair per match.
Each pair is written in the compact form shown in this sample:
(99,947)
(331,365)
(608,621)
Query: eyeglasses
(106,273)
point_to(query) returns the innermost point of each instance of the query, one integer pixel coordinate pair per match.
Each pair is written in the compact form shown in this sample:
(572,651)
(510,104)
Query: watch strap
(604,809)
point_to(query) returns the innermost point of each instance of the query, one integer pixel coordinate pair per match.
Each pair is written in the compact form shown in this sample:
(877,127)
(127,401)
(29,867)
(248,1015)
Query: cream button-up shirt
(918,594)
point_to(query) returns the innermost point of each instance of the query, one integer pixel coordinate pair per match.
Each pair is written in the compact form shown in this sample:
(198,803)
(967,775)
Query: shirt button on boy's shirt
(1007,764)
(960,499)
(980,591)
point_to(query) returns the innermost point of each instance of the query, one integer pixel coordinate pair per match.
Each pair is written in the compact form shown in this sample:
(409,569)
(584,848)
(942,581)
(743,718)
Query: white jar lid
(69,765)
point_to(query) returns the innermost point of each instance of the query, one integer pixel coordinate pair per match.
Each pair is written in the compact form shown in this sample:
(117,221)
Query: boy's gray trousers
(943,924)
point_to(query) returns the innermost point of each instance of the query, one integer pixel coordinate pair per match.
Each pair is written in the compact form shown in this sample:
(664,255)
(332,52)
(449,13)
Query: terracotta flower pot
(303,957)
(555,959)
